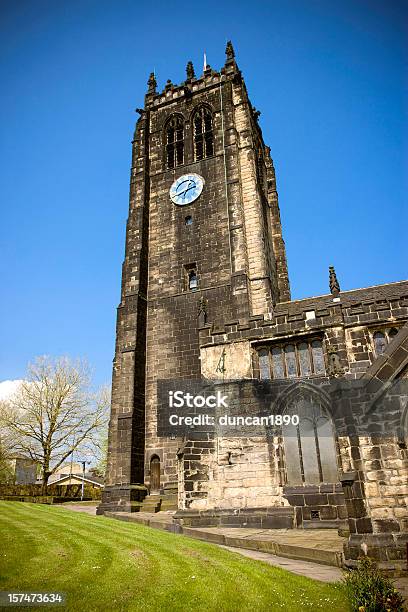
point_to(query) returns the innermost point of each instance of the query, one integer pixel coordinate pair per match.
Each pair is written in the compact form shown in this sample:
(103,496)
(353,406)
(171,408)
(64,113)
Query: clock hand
(183,193)
(188,189)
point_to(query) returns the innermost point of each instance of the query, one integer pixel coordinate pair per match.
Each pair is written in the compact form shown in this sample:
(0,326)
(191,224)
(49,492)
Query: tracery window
(203,134)
(292,360)
(175,142)
(310,450)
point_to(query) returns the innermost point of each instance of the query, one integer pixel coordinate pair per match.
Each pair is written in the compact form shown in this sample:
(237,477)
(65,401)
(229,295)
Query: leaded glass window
(264,367)
(310,450)
(277,363)
(380,343)
(290,360)
(318,358)
(304,358)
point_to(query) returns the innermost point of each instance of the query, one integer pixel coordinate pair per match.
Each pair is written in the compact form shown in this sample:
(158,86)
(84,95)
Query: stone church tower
(222,254)
(205,291)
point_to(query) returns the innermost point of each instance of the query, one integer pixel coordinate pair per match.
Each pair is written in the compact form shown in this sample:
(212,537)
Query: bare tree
(54,413)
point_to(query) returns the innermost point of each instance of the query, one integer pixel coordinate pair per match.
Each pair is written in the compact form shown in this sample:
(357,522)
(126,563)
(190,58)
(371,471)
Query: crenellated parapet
(347,326)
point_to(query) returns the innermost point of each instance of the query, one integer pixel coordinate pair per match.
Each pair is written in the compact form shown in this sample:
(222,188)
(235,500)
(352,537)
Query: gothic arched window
(175,142)
(203,134)
(380,343)
(310,450)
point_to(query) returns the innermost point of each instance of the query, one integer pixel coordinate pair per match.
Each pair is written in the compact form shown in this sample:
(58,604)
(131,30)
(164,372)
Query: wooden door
(155,474)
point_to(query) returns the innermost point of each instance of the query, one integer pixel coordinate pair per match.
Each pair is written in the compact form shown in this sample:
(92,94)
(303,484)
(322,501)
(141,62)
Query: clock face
(186,189)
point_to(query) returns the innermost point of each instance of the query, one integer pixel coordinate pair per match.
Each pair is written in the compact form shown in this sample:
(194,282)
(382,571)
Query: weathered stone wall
(126,428)
(321,505)
(238,473)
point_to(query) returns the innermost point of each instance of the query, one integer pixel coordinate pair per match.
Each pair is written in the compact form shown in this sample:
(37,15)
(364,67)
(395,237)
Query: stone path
(88,508)
(320,545)
(316,571)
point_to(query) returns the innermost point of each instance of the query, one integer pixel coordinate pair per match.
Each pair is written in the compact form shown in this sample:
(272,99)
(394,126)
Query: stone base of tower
(122,498)
(387,550)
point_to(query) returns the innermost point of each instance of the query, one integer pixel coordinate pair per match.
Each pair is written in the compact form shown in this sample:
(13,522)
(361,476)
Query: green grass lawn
(104,564)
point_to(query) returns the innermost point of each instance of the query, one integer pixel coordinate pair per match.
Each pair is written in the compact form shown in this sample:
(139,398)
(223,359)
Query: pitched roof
(90,478)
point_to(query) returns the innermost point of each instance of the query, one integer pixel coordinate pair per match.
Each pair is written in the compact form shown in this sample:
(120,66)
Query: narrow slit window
(192,280)
(264,367)
(318,358)
(188,220)
(290,358)
(175,142)
(277,363)
(203,134)
(304,359)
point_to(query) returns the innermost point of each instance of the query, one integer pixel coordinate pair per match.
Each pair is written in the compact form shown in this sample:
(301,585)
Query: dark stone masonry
(206,297)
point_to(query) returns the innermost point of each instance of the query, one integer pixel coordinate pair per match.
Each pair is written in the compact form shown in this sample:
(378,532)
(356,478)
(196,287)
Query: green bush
(368,590)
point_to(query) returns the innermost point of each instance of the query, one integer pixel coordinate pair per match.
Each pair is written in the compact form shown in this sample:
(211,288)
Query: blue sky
(329,78)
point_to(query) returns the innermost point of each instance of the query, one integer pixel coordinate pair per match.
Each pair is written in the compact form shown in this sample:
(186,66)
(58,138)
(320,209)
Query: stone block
(316,500)
(383,525)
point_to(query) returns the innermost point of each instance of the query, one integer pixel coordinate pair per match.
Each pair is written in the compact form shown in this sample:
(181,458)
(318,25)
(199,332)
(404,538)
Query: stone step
(151,505)
(150,508)
(172,498)
(160,503)
(263,540)
(279,517)
(136,506)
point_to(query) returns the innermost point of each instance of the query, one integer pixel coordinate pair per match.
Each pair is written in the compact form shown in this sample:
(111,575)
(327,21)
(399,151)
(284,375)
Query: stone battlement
(368,307)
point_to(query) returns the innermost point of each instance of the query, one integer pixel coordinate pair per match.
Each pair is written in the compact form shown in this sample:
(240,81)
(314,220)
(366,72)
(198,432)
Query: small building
(74,479)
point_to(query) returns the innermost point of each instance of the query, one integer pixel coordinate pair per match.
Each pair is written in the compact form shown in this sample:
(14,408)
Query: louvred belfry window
(175,142)
(203,134)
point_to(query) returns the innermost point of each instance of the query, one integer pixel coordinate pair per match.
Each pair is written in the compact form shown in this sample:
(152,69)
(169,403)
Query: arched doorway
(154,475)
